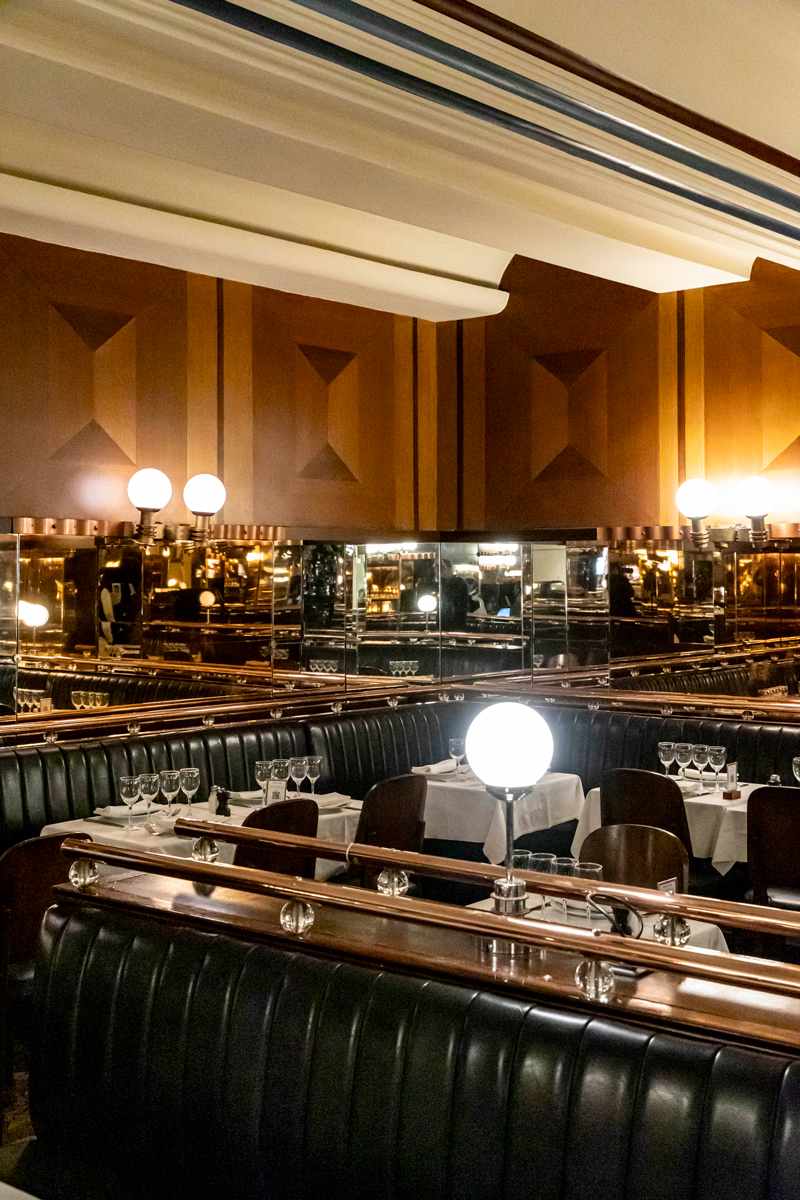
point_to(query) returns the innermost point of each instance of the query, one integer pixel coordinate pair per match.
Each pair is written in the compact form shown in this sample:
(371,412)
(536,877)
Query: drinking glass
(129,794)
(148,789)
(190,782)
(280,769)
(546,863)
(298,769)
(666,755)
(170,786)
(521,860)
(263,776)
(104,699)
(683,756)
(717,757)
(457,751)
(314,770)
(537,660)
(796,768)
(700,758)
(563,866)
(587,870)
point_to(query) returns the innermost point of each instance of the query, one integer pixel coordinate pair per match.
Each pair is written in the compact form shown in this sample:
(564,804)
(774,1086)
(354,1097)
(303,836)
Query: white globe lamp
(204,495)
(756,497)
(696,499)
(34,615)
(509,747)
(427,604)
(148,490)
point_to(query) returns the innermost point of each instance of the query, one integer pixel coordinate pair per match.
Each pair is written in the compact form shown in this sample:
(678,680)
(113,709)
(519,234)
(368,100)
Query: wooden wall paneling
(633,421)
(780,400)
(437,425)
(236,460)
(473,424)
(694,419)
(202,418)
(405,450)
(509,428)
(161,379)
(733,385)
(668,350)
(114,392)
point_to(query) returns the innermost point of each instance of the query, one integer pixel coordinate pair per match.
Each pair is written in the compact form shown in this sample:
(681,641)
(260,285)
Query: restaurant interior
(400,703)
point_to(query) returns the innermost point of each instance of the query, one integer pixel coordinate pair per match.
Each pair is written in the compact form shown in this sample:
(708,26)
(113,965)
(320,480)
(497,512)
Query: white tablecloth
(339,826)
(708,937)
(717,827)
(465,812)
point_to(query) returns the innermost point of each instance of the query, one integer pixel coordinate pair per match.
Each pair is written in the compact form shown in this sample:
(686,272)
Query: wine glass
(263,775)
(683,756)
(717,757)
(104,699)
(457,751)
(700,758)
(666,755)
(280,769)
(537,660)
(148,790)
(314,770)
(298,769)
(587,870)
(546,864)
(190,782)
(129,794)
(170,786)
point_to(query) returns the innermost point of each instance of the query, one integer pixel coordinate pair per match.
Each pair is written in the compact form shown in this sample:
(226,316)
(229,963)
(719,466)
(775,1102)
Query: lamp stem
(509,831)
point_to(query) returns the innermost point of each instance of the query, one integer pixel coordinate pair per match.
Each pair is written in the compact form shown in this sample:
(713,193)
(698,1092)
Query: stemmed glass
(700,758)
(683,756)
(190,782)
(129,794)
(148,789)
(280,769)
(457,751)
(314,770)
(263,776)
(666,755)
(587,870)
(717,757)
(298,769)
(546,864)
(170,786)
(78,699)
(537,660)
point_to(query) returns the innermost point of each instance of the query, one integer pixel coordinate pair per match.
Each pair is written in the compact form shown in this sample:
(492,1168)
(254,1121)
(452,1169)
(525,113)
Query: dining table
(338,820)
(458,808)
(717,827)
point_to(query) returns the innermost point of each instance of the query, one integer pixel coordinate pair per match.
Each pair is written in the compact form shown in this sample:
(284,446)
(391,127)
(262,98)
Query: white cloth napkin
(445,767)
(256,795)
(329,800)
(120,811)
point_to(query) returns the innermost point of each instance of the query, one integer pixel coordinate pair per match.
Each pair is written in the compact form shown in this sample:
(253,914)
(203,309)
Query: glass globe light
(33,615)
(427,604)
(509,746)
(696,498)
(149,490)
(204,495)
(207,599)
(756,496)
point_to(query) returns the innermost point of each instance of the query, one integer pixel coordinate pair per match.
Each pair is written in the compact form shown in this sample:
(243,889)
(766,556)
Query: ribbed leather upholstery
(225,1068)
(40,785)
(121,689)
(722,681)
(362,748)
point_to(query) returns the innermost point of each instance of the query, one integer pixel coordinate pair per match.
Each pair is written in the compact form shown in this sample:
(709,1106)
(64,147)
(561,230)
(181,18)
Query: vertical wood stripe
(473,427)
(238,402)
(447,425)
(404,448)
(668,448)
(201,375)
(427,439)
(694,384)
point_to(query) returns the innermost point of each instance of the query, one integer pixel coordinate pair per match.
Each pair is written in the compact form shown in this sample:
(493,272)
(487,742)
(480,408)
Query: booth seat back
(40,785)
(738,680)
(189,1063)
(121,689)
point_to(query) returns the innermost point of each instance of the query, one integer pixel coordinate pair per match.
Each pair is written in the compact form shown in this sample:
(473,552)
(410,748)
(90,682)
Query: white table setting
(338,820)
(459,808)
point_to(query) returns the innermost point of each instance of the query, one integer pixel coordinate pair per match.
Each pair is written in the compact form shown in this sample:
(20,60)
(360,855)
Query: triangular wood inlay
(95,326)
(327,465)
(92,446)
(568,366)
(327,363)
(788,336)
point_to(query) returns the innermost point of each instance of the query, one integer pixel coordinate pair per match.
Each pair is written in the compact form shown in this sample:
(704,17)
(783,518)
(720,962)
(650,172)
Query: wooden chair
(28,873)
(392,816)
(632,797)
(639,855)
(291,816)
(773,846)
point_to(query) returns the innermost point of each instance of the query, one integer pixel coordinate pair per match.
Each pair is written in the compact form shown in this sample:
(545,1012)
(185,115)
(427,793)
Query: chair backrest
(393,814)
(28,873)
(291,816)
(639,855)
(632,797)
(773,839)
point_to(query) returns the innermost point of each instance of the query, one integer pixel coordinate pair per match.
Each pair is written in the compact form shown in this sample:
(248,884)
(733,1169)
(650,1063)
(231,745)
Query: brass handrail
(711,965)
(756,918)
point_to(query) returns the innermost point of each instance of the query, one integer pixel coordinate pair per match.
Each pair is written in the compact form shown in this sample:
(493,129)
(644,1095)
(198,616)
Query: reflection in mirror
(549,606)
(400,636)
(481,600)
(9,598)
(663,598)
(587,605)
(324,608)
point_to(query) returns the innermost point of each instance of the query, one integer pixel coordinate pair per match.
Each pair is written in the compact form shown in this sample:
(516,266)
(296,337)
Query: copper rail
(755,918)
(711,965)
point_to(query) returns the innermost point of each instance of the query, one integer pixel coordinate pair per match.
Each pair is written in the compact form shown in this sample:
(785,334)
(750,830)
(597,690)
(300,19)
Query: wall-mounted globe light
(509,747)
(696,499)
(148,490)
(756,497)
(427,604)
(204,495)
(32,615)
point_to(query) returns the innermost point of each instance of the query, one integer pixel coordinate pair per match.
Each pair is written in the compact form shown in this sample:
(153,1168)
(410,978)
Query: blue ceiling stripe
(386,28)
(286,35)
